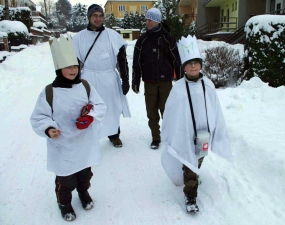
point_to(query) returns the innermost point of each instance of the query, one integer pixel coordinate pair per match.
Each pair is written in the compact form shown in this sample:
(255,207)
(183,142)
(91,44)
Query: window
(236,6)
(143,8)
(233,7)
(122,8)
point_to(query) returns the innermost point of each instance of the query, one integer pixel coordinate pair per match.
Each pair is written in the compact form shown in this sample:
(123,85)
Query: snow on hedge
(13,27)
(39,25)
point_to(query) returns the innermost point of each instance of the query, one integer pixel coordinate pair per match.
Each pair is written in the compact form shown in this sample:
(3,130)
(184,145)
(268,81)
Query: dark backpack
(49,92)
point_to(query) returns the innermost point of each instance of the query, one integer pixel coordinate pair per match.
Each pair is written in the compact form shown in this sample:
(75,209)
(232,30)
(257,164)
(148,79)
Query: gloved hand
(125,87)
(85,110)
(83,122)
(136,88)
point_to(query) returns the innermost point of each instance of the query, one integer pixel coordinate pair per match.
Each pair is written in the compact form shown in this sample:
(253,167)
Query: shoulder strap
(92,46)
(49,92)
(87,87)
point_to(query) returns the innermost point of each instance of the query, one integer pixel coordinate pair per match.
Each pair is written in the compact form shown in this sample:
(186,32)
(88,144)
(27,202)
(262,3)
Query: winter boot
(191,205)
(86,200)
(117,142)
(67,212)
(155,144)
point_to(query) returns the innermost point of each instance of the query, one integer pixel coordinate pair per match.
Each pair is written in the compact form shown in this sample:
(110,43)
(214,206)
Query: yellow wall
(231,7)
(129,6)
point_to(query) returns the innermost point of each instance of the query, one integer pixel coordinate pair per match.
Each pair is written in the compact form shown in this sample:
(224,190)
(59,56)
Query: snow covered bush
(23,14)
(264,49)
(223,66)
(14,29)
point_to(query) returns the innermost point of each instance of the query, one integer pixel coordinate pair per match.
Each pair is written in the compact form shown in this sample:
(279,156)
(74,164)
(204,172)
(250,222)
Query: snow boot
(67,212)
(155,144)
(191,205)
(117,142)
(86,200)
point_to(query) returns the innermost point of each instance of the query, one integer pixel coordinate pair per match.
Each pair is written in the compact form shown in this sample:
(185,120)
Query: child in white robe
(70,123)
(187,112)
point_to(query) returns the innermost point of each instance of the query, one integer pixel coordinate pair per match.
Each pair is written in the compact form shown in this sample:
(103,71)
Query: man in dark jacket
(155,59)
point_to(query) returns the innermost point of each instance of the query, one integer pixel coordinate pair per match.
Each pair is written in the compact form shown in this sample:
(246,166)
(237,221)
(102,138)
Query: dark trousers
(64,185)
(114,136)
(191,180)
(156,95)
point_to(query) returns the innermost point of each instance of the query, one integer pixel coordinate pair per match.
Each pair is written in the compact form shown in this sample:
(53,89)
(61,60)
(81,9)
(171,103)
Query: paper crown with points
(188,49)
(63,52)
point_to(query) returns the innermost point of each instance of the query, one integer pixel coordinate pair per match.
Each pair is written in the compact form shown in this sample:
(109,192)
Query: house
(219,19)
(118,7)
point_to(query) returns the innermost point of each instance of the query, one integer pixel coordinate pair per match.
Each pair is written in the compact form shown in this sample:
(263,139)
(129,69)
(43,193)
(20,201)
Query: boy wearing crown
(191,108)
(70,123)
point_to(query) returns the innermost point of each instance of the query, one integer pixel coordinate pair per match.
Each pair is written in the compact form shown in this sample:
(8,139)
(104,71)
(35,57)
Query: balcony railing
(278,12)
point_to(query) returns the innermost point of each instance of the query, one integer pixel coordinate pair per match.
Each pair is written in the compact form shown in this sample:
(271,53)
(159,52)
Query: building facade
(118,7)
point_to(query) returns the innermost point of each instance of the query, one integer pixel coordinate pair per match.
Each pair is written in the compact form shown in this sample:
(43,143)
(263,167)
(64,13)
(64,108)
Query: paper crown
(188,49)
(63,52)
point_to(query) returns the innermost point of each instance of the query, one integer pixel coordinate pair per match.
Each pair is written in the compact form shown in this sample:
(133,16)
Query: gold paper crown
(63,52)
(188,48)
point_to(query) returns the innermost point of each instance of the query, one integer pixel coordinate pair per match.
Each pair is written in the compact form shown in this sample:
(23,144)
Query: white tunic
(178,132)
(100,71)
(74,149)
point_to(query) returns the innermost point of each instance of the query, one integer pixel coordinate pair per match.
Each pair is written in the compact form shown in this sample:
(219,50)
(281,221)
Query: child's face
(192,69)
(70,72)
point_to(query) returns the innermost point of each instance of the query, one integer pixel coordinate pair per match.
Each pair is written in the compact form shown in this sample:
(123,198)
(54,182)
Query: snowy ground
(130,186)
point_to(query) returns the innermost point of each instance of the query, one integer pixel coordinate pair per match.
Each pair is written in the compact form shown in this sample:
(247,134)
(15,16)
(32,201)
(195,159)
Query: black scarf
(62,82)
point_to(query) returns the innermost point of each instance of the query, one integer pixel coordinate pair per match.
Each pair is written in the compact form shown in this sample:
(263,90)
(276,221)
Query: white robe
(74,149)
(100,70)
(177,127)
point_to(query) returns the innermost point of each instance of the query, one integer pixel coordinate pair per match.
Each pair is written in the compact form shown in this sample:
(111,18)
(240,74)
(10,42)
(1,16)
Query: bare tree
(46,8)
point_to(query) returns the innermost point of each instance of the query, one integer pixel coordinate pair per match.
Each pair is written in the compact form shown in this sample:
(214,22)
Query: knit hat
(153,14)
(94,8)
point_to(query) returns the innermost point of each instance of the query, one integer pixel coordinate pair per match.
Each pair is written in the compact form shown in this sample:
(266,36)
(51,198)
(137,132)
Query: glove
(83,122)
(125,87)
(85,110)
(136,88)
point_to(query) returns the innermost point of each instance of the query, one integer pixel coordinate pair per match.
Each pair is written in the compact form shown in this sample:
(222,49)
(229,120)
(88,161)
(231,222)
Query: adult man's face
(96,20)
(150,24)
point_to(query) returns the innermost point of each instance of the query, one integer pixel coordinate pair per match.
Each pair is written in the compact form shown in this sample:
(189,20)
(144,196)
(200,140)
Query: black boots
(86,200)
(67,212)
(155,144)
(191,205)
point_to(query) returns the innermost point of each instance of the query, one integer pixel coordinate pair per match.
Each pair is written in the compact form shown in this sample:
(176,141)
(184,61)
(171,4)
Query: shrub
(223,66)
(264,49)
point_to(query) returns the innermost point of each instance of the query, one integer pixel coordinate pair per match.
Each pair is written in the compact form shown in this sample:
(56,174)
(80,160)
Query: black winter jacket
(156,57)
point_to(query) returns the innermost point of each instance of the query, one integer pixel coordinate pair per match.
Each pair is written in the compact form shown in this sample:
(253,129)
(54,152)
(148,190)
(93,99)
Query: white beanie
(153,14)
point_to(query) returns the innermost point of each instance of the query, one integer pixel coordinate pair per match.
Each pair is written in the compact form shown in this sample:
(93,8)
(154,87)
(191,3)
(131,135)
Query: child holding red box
(70,121)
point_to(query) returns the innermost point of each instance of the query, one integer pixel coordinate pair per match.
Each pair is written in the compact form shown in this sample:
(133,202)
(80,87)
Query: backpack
(49,92)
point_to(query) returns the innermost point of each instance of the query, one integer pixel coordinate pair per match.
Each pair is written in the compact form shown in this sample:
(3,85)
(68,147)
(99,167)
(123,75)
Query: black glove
(125,87)
(136,88)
